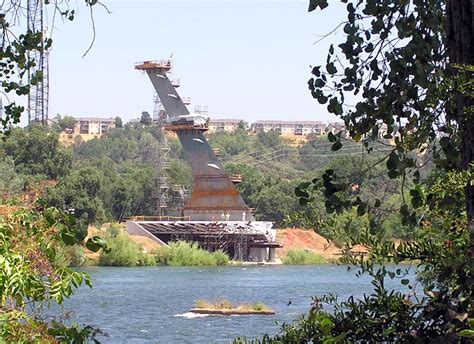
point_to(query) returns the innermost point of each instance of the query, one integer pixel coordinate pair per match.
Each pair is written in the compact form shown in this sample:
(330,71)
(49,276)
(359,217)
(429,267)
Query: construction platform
(251,241)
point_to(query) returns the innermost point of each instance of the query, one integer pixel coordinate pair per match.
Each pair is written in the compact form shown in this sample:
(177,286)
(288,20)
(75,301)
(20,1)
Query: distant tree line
(114,176)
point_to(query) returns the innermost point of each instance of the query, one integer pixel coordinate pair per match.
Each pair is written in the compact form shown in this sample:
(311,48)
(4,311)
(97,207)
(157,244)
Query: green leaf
(361,209)
(416,198)
(325,325)
(466,333)
(314,4)
(95,243)
(416,177)
(322,99)
(393,174)
(405,281)
(68,239)
(336,146)
(331,68)
(303,201)
(301,193)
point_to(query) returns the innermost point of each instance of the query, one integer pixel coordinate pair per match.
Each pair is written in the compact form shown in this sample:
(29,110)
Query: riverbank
(300,247)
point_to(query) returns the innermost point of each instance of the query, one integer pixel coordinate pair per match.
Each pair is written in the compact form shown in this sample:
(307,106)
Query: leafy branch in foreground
(18,43)
(33,274)
(408,64)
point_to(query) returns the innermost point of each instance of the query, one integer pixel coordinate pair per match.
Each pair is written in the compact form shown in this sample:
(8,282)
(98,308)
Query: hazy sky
(243,59)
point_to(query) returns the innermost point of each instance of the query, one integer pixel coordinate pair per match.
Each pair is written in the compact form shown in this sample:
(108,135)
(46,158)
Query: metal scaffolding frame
(38,98)
(233,238)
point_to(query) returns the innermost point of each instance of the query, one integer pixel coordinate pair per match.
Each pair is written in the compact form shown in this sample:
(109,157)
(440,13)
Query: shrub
(74,256)
(224,304)
(259,307)
(188,254)
(221,258)
(145,259)
(123,251)
(301,257)
(202,304)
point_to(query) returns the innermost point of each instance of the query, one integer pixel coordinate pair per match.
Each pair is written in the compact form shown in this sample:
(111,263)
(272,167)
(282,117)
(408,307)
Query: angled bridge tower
(213,193)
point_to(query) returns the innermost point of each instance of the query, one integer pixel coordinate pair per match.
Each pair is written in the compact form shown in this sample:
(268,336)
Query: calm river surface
(150,305)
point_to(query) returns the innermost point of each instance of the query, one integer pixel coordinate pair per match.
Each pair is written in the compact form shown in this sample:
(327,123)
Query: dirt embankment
(304,239)
(309,240)
(147,244)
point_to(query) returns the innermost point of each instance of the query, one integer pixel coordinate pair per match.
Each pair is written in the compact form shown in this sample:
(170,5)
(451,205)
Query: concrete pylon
(213,192)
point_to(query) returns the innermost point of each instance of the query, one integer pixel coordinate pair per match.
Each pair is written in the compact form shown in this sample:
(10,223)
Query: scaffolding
(161,193)
(164,195)
(38,98)
(180,195)
(238,239)
(202,110)
(240,247)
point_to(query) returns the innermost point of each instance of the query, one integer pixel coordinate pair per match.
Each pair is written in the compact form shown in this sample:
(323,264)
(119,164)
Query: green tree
(118,122)
(66,122)
(33,274)
(36,151)
(409,66)
(79,193)
(10,184)
(269,139)
(146,119)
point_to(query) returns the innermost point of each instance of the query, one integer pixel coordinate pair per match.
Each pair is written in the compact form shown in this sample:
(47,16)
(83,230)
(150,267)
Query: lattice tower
(38,98)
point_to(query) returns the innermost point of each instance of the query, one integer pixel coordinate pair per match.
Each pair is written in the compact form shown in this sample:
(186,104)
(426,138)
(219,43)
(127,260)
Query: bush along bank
(182,253)
(122,250)
(302,257)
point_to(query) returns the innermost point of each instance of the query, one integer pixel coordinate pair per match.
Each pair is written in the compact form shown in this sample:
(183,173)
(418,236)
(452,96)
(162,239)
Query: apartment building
(93,126)
(290,128)
(225,125)
(336,127)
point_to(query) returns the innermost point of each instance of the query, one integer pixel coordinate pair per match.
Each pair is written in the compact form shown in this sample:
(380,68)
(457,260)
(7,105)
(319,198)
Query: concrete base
(134,229)
(258,254)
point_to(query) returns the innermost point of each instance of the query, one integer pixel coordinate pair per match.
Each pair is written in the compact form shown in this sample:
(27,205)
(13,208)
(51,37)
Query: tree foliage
(36,152)
(398,61)
(18,74)
(33,274)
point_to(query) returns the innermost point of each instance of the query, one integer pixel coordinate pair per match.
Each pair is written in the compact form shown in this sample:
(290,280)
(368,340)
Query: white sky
(244,59)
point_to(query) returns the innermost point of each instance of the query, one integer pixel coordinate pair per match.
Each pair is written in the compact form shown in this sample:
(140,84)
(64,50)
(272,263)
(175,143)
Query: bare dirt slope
(148,244)
(304,239)
(309,240)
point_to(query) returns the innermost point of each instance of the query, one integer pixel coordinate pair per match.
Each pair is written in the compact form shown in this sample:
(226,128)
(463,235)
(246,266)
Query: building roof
(94,119)
(236,121)
(289,122)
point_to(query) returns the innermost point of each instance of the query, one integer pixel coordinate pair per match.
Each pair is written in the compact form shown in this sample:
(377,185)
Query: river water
(150,304)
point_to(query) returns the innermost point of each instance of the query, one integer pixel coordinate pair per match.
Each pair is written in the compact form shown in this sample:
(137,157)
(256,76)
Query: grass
(188,254)
(302,257)
(224,304)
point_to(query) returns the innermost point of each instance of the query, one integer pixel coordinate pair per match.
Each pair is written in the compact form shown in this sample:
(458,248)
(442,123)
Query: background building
(93,126)
(290,128)
(226,125)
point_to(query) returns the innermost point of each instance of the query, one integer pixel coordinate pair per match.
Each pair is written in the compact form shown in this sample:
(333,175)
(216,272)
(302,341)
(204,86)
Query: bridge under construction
(215,216)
